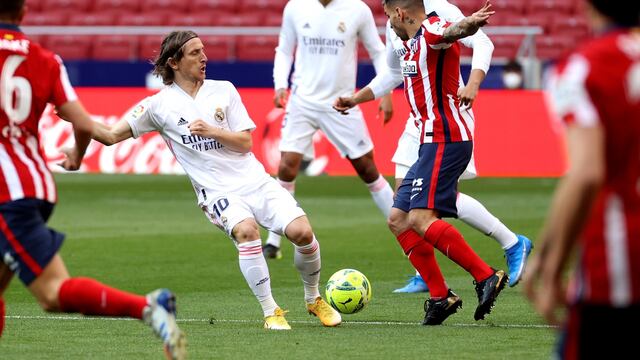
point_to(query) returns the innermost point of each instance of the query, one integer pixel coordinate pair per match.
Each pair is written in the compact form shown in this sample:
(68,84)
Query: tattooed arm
(469,25)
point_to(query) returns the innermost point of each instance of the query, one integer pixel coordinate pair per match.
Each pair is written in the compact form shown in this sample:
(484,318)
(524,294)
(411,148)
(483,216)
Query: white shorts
(348,133)
(270,205)
(407,152)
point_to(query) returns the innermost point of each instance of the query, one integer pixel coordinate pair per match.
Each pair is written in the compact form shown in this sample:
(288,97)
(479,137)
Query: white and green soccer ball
(348,291)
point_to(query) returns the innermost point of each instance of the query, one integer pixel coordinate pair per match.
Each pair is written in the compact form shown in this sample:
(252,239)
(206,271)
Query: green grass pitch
(139,233)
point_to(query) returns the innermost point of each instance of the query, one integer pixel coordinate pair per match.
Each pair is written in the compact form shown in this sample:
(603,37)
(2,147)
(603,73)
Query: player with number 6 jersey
(208,129)
(30,78)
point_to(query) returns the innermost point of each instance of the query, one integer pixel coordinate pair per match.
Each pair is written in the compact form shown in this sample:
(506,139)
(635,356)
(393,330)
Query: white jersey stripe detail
(10,175)
(69,92)
(615,237)
(455,112)
(22,155)
(427,84)
(32,143)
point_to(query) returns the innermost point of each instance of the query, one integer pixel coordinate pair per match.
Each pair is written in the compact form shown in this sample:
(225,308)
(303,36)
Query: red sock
(1,315)
(451,243)
(90,297)
(423,259)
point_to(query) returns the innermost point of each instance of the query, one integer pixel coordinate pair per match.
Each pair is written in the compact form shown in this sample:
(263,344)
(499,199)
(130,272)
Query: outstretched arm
(469,25)
(109,135)
(74,112)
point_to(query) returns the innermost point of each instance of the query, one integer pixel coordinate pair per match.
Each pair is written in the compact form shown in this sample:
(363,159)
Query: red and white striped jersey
(431,70)
(30,77)
(599,85)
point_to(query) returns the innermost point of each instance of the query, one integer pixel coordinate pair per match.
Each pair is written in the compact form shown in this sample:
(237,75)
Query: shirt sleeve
(568,95)
(368,33)
(140,118)
(63,92)
(391,77)
(482,50)
(239,119)
(434,30)
(284,52)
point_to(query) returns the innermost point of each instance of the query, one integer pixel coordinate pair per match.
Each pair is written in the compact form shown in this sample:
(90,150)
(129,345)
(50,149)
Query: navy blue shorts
(432,181)
(26,243)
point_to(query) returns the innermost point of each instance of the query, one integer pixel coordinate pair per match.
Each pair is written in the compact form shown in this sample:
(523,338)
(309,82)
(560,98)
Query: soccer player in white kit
(207,128)
(323,35)
(517,247)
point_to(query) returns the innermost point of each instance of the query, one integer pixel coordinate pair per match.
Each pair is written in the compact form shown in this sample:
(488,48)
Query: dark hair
(622,13)
(512,65)
(11,7)
(405,4)
(172,47)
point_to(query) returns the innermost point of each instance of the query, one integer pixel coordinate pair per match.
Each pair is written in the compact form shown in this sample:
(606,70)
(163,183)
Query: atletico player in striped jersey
(430,58)
(31,77)
(596,208)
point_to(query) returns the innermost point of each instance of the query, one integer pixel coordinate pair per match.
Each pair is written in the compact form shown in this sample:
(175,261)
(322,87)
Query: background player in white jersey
(207,128)
(471,211)
(324,35)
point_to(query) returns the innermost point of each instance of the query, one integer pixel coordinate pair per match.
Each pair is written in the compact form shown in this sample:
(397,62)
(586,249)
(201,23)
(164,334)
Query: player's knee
(397,223)
(300,232)
(246,231)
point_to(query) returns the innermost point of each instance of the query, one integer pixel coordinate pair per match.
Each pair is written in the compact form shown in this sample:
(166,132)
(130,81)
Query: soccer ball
(348,291)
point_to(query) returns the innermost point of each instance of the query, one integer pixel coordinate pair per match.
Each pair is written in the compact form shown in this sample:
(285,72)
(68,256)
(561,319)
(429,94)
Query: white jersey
(392,77)
(211,166)
(325,43)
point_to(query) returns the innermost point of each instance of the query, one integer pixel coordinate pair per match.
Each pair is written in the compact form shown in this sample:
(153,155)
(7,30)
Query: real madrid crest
(342,27)
(219,115)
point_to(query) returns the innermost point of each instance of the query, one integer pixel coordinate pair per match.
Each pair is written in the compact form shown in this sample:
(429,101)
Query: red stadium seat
(553,47)
(273,19)
(66,5)
(219,48)
(175,6)
(70,47)
(467,7)
(257,6)
(192,19)
(506,46)
(123,6)
(243,19)
(149,46)
(93,19)
(45,19)
(143,19)
(542,21)
(505,6)
(380,20)
(257,48)
(34,5)
(108,47)
(197,6)
(573,26)
(550,7)
(375,6)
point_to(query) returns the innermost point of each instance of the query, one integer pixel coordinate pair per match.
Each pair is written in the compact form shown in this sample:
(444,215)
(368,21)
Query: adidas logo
(306,26)
(182,122)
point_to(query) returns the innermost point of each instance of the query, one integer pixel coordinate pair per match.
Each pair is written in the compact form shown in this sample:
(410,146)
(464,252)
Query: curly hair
(172,48)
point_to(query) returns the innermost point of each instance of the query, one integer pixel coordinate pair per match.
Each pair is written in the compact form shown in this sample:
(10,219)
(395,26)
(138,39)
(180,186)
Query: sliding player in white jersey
(207,128)
(323,35)
(471,211)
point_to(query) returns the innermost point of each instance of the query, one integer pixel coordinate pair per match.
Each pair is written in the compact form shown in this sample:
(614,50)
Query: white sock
(472,212)
(254,268)
(382,194)
(273,238)
(307,260)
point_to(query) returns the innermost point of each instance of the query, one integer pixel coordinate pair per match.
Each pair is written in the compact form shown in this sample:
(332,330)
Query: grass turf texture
(139,233)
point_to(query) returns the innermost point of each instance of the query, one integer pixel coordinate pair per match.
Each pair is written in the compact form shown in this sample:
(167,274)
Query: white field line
(227,321)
